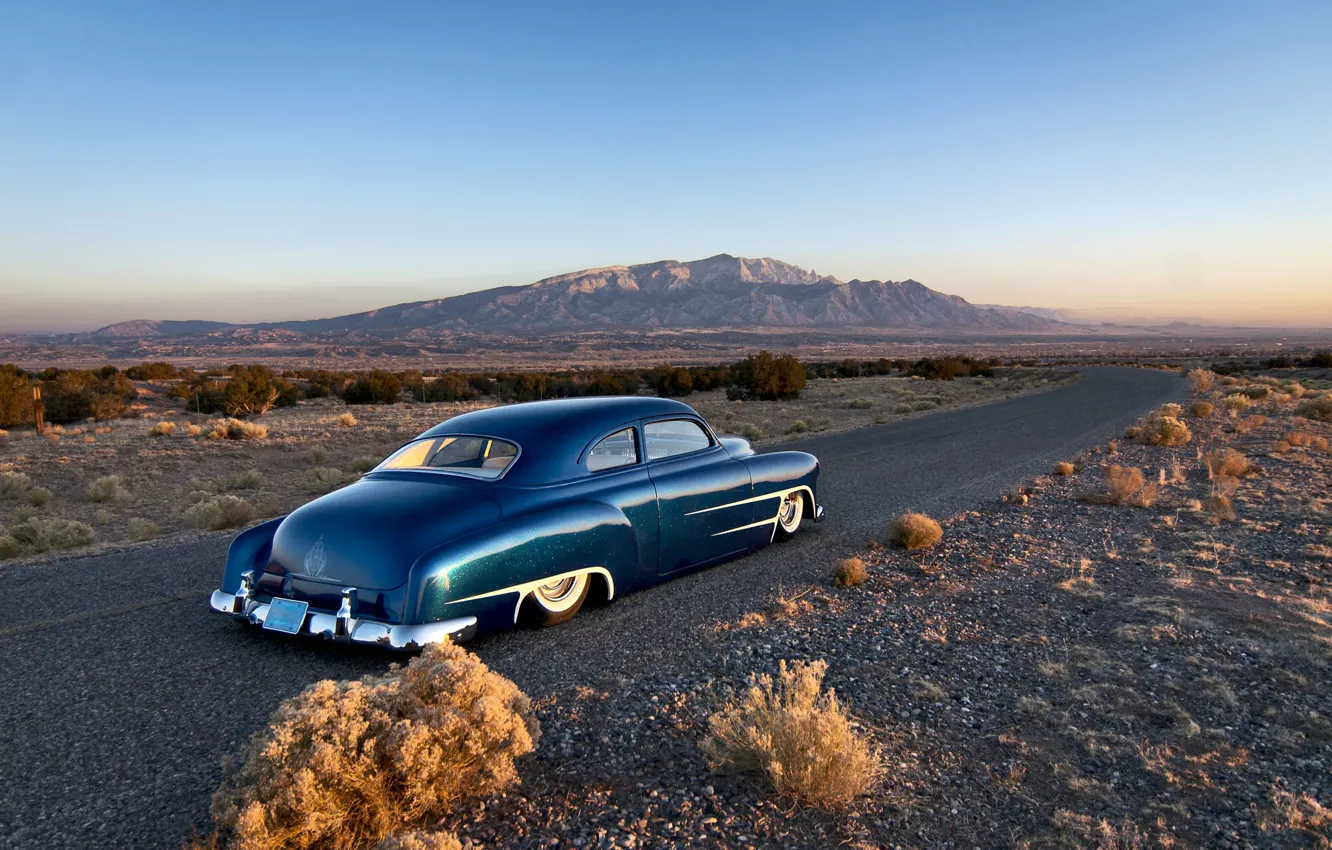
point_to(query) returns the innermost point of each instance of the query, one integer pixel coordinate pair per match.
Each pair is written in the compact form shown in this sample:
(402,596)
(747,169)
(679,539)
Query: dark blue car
(515,513)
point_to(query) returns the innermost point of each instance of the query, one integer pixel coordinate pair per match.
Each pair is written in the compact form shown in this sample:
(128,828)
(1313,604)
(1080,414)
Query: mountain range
(717,292)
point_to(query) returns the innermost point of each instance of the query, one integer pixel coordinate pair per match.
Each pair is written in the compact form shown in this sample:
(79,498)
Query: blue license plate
(286,615)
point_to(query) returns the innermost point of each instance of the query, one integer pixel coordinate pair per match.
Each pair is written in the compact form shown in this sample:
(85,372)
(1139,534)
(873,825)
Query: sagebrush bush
(1306,440)
(318,454)
(796,734)
(346,420)
(1201,409)
(106,489)
(215,513)
(328,478)
(1202,379)
(13,484)
(345,764)
(247,480)
(236,429)
(752,433)
(860,404)
(1257,393)
(799,426)
(162,429)
(915,531)
(1226,462)
(45,534)
(1235,402)
(1164,431)
(1124,485)
(850,572)
(1063,468)
(141,529)
(1319,409)
(363,464)
(38,496)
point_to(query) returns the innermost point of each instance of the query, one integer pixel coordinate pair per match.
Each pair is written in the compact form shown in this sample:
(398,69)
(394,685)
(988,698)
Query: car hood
(368,535)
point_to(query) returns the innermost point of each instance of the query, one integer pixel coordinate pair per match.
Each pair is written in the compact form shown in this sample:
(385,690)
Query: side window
(674,437)
(618,449)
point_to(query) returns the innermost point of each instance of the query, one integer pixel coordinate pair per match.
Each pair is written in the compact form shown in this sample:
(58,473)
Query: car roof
(552,434)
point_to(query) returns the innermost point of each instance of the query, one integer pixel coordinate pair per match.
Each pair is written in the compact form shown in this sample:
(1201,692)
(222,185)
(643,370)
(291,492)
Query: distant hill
(718,292)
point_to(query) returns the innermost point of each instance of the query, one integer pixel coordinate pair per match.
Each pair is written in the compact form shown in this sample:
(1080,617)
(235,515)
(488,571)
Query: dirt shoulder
(310,449)
(1055,673)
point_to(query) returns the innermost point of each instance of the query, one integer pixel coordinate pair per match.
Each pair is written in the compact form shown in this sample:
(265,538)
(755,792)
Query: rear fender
(775,475)
(487,574)
(250,550)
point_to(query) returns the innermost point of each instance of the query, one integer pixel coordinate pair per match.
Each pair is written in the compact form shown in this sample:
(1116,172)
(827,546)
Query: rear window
(479,457)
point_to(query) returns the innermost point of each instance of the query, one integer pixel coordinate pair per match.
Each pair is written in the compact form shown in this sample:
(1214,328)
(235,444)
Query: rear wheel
(789,515)
(556,601)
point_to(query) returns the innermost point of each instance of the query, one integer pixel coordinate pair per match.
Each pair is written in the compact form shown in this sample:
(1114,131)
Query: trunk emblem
(315,560)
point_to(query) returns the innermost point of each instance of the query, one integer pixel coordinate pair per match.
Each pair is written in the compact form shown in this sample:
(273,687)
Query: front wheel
(557,601)
(789,515)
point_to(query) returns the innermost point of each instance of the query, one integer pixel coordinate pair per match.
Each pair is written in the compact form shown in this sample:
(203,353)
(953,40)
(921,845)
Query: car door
(702,493)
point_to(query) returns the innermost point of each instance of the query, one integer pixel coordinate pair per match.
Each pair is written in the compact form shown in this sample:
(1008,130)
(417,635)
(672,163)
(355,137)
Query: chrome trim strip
(528,586)
(335,627)
(775,494)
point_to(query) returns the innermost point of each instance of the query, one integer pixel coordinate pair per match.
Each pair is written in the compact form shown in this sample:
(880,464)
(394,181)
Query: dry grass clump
(346,420)
(106,489)
(1304,439)
(850,572)
(4,437)
(1170,409)
(1124,485)
(43,534)
(860,404)
(1302,813)
(1235,402)
(1201,409)
(417,840)
(1257,393)
(1294,389)
(345,764)
(1162,430)
(915,531)
(215,513)
(1218,504)
(328,478)
(1249,423)
(796,734)
(1319,409)
(1063,468)
(38,496)
(1201,379)
(236,429)
(193,430)
(162,429)
(1227,463)
(13,484)
(142,529)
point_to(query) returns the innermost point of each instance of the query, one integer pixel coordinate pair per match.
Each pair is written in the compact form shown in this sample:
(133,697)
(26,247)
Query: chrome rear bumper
(343,627)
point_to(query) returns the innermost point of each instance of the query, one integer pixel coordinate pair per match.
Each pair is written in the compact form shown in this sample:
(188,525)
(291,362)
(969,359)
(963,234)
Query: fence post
(37,407)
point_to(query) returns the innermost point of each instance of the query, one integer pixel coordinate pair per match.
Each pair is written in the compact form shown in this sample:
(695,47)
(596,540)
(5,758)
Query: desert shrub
(215,513)
(1220,506)
(1248,423)
(38,496)
(4,438)
(1226,462)
(374,387)
(344,764)
(1257,393)
(15,396)
(235,429)
(106,489)
(162,429)
(45,534)
(417,840)
(799,426)
(152,371)
(766,376)
(948,368)
(860,404)
(915,531)
(672,381)
(850,572)
(1132,432)
(346,420)
(13,484)
(1318,409)
(1306,440)
(1235,402)
(1124,485)
(1172,410)
(141,529)
(796,734)
(318,454)
(363,464)
(1164,431)
(1202,379)
(1201,409)
(247,480)
(193,430)
(753,433)
(327,478)
(1294,389)
(1063,468)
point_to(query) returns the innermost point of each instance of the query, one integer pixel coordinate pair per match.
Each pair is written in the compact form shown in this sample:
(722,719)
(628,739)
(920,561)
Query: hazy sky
(264,160)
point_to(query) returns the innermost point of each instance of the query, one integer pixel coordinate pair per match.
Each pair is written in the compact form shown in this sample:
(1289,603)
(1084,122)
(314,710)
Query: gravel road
(123,692)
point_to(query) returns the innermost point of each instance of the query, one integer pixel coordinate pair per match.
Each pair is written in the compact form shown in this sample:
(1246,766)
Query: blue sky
(287,160)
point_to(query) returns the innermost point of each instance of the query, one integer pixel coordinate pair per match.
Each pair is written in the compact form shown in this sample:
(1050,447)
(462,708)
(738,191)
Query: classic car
(521,512)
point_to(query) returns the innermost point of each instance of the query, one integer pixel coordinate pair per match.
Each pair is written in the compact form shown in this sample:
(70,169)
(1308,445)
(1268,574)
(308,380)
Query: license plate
(286,615)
